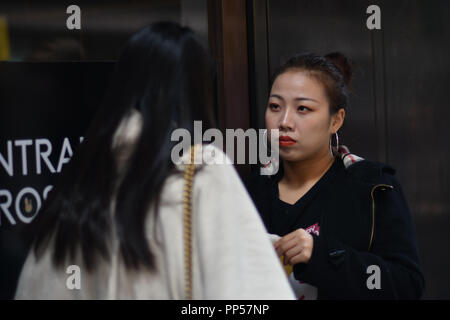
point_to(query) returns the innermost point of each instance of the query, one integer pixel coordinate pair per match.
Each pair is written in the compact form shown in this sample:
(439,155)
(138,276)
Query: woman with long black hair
(342,222)
(116,212)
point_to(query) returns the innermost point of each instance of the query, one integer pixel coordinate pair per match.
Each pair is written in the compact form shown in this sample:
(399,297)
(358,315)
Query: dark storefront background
(49,108)
(53,79)
(35,27)
(51,82)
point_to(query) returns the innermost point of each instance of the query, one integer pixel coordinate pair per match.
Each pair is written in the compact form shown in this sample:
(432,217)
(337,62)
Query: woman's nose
(286,121)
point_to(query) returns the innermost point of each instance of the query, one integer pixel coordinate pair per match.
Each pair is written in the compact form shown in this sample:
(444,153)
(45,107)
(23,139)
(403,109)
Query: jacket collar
(366,171)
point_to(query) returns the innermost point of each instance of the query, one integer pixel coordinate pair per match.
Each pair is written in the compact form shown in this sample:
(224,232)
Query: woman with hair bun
(342,222)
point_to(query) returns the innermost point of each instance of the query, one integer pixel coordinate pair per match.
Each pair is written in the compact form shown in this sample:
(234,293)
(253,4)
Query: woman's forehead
(296,84)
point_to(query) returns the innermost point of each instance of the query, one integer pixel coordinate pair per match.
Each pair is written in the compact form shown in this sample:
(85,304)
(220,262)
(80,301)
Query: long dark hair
(166,75)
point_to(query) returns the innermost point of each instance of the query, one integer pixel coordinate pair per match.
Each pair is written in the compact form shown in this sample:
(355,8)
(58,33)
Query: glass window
(37,30)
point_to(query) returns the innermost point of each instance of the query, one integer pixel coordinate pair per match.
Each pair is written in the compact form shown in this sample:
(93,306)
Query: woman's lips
(286,141)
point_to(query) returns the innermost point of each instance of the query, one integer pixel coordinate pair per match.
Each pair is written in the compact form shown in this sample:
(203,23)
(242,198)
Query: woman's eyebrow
(296,99)
(276,96)
(305,99)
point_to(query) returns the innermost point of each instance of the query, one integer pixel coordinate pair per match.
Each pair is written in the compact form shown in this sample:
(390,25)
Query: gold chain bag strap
(187,222)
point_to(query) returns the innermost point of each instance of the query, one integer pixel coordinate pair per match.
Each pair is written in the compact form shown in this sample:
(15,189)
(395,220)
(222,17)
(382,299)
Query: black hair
(332,70)
(165,75)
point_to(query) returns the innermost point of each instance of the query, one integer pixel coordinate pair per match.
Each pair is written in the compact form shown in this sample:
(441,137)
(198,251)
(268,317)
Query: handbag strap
(187,222)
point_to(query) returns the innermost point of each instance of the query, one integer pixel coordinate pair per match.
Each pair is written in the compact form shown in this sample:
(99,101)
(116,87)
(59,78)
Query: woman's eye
(274,106)
(303,108)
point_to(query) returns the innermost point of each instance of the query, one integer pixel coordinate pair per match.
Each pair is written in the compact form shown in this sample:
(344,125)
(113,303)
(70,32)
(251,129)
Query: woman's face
(299,108)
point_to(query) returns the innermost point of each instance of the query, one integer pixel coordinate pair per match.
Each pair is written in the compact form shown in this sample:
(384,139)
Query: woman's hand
(296,247)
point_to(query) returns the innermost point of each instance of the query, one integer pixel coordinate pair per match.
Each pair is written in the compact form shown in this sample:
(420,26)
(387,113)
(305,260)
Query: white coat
(233,257)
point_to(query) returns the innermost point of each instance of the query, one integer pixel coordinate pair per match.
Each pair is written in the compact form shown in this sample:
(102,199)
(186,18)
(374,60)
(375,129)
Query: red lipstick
(286,141)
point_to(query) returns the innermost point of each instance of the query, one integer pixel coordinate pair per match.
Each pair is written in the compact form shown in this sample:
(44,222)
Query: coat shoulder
(373,172)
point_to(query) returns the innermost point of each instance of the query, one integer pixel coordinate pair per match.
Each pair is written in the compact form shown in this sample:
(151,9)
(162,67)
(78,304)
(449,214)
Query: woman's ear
(337,120)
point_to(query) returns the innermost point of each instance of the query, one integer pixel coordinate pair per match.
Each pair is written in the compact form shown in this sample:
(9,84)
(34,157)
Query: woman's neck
(300,173)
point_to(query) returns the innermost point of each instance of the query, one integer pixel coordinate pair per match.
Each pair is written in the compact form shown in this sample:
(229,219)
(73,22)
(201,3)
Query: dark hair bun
(343,64)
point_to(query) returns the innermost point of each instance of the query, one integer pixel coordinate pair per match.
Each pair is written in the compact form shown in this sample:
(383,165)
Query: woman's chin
(288,154)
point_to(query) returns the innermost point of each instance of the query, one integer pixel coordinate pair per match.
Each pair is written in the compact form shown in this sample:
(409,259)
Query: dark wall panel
(399,110)
(417,74)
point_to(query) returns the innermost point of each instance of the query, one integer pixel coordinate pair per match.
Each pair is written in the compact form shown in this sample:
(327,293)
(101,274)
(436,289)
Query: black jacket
(364,221)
